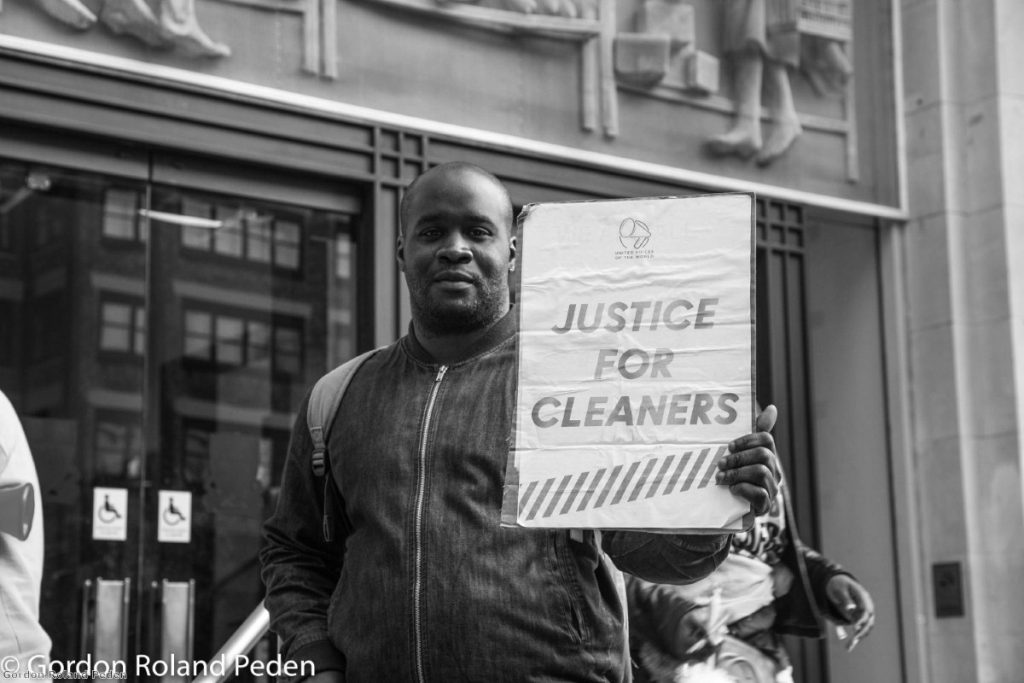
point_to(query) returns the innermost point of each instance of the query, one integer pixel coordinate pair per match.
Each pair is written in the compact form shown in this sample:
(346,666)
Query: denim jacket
(421,583)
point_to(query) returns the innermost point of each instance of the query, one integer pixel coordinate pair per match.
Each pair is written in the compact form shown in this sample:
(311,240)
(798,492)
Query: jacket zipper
(421,485)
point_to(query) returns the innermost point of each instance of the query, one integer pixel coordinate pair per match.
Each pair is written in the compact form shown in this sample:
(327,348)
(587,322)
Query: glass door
(160,330)
(72,362)
(254,297)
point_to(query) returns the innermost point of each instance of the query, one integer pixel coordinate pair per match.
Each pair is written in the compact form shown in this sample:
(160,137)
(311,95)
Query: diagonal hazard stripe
(576,488)
(593,487)
(558,494)
(608,487)
(678,471)
(530,488)
(625,482)
(712,468)
(696,468)
(661,476)
(540,498)
(643,479)
(670,469)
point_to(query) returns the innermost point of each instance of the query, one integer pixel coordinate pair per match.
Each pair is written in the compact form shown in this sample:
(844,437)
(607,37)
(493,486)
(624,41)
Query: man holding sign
(420,580)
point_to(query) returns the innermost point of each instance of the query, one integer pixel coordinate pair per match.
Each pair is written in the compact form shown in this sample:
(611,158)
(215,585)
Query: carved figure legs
(786,124)
(743,139)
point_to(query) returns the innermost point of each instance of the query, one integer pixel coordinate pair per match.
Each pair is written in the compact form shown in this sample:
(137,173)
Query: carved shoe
(71,12)
(782,137)
(180,26)
(741,141)
(133,17)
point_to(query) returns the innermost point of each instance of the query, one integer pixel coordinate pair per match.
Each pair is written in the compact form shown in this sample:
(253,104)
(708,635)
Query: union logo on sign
(634,234)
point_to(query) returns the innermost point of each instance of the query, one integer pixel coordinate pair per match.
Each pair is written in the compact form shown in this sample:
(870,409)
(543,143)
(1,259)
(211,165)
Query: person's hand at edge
(750,470)
(854,603)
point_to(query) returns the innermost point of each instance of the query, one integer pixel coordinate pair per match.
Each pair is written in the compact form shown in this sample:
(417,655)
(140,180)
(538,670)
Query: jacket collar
(498,333)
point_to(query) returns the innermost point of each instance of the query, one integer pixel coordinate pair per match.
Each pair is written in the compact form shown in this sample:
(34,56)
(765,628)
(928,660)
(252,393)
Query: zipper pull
(440,373)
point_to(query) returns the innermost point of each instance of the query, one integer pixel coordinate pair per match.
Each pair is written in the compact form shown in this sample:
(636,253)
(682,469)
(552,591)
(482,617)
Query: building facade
(198,211)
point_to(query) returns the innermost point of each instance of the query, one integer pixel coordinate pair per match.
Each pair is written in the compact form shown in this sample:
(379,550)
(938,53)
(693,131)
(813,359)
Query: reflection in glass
(147,353)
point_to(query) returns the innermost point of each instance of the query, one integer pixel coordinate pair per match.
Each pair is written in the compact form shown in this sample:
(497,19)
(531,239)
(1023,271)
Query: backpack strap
(324,401)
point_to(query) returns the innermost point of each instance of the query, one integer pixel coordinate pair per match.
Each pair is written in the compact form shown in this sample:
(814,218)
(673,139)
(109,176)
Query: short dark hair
(454,166)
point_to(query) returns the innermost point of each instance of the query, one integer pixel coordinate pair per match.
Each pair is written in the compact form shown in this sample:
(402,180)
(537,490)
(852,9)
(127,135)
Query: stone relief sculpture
(570,9)
(764,43)
(589,23)
(168,23)
(665,41)
(766,40)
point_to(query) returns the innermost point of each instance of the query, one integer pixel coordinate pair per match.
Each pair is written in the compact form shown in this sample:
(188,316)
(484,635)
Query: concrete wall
(964,97)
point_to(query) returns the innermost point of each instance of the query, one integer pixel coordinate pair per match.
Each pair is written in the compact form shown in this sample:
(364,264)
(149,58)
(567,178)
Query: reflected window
(246,232)
(229,350)
(257,342)
(288,350)
(227,239)
(195,237)
(197,455)
(121,215)
(244,339)
(118,447)
(258,245)
(123,327)
(198,335)
(286,244)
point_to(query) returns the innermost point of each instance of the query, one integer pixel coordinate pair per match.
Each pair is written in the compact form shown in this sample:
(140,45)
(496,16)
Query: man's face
(456,251)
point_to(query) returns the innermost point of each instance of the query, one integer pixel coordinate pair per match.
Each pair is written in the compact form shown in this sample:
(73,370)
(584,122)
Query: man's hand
(691,642)
(854,603)
(750,470)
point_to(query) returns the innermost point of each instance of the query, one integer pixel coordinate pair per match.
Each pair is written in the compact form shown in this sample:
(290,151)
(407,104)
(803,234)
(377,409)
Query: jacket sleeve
(666,558)
(299,568)
(820,571)
(656,613)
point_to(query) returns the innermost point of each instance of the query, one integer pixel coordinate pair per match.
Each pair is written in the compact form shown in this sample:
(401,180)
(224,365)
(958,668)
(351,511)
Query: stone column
(964,106)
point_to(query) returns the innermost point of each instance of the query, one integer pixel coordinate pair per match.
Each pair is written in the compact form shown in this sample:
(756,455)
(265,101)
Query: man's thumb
(765,421)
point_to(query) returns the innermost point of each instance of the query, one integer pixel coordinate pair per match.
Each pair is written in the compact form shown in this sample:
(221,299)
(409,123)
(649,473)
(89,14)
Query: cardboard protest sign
(636,363)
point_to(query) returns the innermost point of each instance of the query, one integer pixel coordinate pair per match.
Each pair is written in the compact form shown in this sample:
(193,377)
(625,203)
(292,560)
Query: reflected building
(195,394)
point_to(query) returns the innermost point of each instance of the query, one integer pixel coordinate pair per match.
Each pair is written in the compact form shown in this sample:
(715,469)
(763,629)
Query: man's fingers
(752,441)
(750,457)
(759,497)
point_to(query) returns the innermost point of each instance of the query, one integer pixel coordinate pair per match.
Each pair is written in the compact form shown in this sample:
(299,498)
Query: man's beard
(459,317)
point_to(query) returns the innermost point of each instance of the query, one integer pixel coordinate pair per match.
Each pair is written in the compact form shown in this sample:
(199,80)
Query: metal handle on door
(177,615)
(105,612)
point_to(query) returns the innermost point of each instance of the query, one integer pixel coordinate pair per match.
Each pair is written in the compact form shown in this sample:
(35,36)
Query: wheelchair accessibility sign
(174,523)
(109,514)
